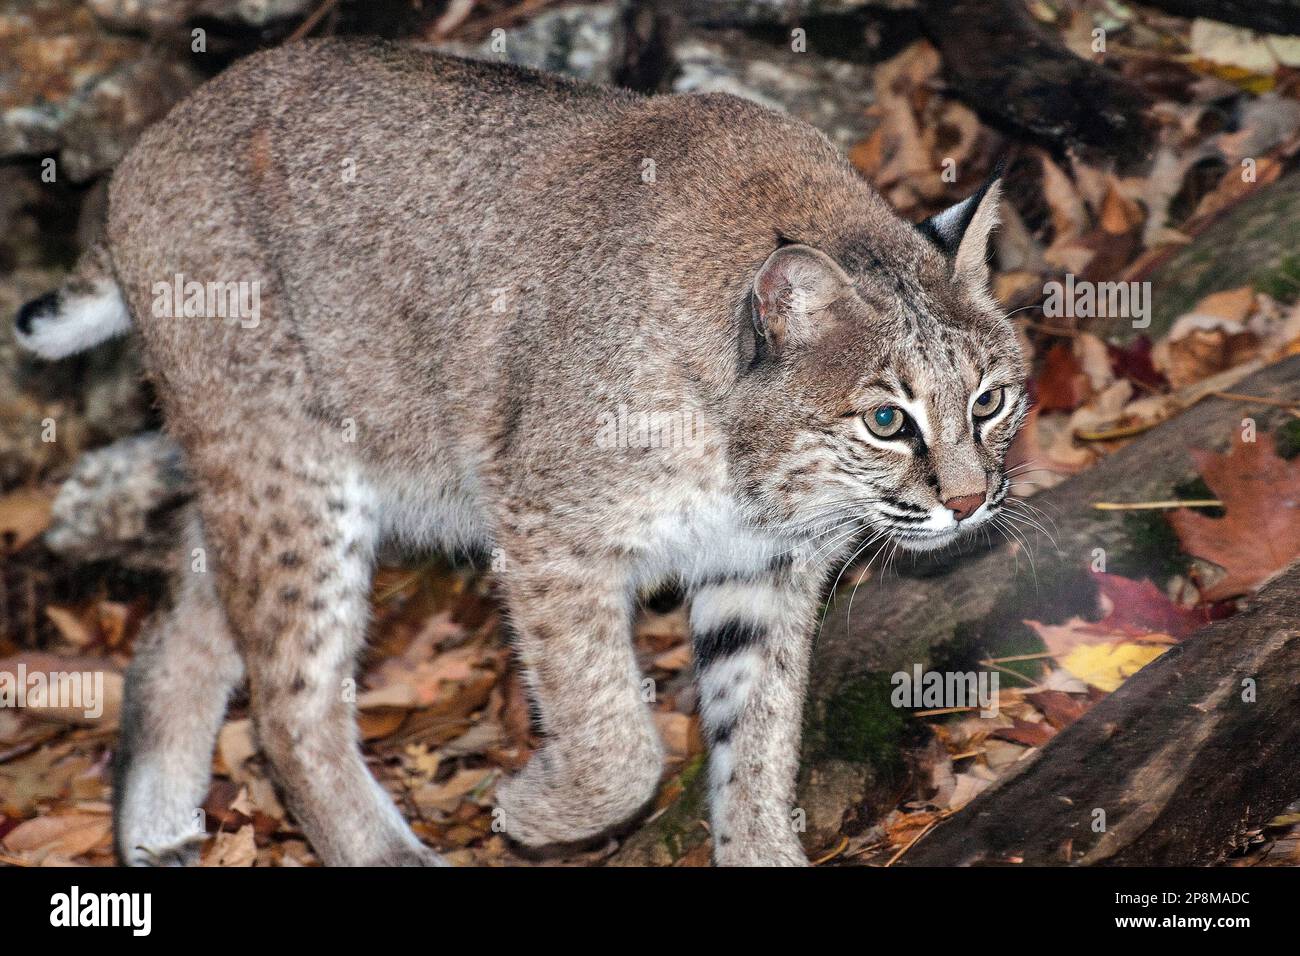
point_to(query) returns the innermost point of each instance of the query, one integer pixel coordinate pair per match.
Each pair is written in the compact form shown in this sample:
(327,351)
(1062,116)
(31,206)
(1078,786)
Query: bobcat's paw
(782,852)
(562,801)
(184,852)
(408,856)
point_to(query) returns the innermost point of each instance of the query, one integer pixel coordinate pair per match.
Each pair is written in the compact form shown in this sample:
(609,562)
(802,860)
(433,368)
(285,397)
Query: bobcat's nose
(963,506)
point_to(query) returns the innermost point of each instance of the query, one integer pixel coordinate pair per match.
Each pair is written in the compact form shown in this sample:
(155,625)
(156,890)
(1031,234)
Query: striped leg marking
(752,640)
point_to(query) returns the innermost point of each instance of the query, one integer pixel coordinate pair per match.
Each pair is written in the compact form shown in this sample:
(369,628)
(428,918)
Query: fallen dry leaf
(1061,386)
(1135,608)
(1026,732)
(83,690)
(72,627)
(1260,534)
(446,797)
(24,514)
(232,849)
(1059,708)
(675,729)
(63,835)
(1107,666)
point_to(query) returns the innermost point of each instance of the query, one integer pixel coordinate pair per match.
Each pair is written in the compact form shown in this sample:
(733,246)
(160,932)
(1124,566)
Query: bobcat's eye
(986,403)
(886,421)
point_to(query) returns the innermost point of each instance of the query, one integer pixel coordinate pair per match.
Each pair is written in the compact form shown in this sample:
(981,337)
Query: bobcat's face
(892,392)
(924,436)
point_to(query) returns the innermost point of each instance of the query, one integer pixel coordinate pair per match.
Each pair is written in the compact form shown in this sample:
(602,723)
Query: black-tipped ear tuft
(961,232)
(946,229)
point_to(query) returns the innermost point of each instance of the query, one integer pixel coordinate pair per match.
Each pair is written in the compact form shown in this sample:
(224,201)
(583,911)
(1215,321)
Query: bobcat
(464,273)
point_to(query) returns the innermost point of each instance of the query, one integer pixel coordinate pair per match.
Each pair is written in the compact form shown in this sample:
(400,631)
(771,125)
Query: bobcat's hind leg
(293,531)
(183,672)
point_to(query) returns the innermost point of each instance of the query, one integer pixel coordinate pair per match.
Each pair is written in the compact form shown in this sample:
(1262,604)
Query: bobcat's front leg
(752,639)
(601,757)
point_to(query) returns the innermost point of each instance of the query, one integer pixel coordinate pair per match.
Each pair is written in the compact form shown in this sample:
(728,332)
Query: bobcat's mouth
(932,539)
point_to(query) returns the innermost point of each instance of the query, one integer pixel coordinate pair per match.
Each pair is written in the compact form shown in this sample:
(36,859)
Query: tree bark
(1267,16)
(1258,235)
(1011,70)
(1172,769)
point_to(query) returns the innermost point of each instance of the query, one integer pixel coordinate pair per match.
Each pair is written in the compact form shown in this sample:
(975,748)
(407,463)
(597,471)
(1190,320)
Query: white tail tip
(65,324)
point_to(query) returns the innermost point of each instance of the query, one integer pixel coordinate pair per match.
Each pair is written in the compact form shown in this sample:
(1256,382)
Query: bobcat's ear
(962,232)
(790,289)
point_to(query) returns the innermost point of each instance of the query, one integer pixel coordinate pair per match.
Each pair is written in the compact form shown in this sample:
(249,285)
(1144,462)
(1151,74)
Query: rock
(26,454)
(120,502)
(21,240)
(832,95)
(50,411)
(584,41)
(69,87)
(160,14)
(751,12)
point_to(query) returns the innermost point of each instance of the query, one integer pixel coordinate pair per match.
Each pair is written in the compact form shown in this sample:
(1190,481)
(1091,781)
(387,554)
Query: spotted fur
(445,336)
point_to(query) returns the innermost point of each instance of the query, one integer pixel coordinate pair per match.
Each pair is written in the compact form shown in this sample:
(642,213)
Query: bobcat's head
(884,380)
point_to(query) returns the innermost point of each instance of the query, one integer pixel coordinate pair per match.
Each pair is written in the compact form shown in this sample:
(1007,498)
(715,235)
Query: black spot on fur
(780,564)
(290,595)
(511,413)
(731,638)
(290,559)
(721,734)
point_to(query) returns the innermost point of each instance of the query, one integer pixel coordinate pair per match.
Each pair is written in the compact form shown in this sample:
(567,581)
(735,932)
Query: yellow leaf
(1106,666)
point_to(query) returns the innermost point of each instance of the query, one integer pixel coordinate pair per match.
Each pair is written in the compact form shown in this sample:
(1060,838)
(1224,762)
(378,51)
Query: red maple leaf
(1260,534)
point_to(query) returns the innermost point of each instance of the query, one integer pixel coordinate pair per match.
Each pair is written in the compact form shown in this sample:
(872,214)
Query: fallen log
(950,613)
(1267,16)
(1175,768)
(1008,68)
(1258,235)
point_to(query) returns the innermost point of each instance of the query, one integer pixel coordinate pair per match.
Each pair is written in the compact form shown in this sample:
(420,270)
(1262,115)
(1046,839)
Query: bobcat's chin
(926,540)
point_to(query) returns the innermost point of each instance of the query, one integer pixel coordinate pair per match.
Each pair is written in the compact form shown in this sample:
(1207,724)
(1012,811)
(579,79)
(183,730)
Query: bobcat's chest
(696,536)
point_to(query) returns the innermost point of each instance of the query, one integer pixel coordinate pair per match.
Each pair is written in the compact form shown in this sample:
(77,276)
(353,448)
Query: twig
(912,842)
(1125,431)
(1053,330)
(309,24)
(1018,657)
(1156,505)
(1257,399)
(832,854)
(1007,670)
(506,17)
